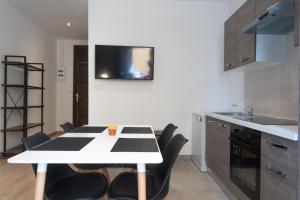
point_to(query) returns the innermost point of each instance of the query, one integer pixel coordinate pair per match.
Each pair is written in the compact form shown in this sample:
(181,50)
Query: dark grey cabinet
(240,47)
(218,148)
(246,42)
(230,43)
(278,168)
(210,142)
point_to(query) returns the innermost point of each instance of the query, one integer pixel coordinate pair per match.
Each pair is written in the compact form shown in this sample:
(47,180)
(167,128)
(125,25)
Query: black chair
(164,138)
(64,183)
(67,127)
(124,186)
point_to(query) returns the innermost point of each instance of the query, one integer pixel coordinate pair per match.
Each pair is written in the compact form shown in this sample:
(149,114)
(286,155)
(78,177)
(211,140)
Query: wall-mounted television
(124,62)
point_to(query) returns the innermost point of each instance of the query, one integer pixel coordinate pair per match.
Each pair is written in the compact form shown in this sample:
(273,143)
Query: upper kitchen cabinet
(230,43)
(262,34)
(245,41)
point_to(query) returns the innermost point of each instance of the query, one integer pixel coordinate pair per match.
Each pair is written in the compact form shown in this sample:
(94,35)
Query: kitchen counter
(287,132)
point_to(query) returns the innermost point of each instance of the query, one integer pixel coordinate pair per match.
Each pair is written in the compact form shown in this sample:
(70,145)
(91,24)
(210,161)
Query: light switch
(61,75)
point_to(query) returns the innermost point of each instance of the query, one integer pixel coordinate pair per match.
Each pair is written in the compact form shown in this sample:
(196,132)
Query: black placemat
(64,144)
(88,129)
(135,145)
(136,130)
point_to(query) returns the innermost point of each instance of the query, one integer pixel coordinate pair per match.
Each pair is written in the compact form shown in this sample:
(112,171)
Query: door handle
(277,145)
(274,171)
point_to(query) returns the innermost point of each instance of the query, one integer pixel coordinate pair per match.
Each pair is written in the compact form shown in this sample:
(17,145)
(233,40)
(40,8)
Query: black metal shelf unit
(20,63)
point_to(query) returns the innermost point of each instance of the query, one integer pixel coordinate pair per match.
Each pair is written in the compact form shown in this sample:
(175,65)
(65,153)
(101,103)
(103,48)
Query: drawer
(280,149)
(277,183)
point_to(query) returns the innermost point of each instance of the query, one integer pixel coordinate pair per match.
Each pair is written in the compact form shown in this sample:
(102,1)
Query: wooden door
(80,93)
(230,43)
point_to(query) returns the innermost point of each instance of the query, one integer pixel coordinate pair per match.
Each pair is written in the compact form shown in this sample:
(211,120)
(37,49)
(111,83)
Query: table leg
(40,181)
(141,171)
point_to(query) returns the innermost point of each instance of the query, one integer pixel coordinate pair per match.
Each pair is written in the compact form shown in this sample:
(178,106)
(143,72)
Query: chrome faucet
(250,110)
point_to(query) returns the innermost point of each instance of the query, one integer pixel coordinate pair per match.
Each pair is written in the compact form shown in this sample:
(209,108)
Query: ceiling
(53,16)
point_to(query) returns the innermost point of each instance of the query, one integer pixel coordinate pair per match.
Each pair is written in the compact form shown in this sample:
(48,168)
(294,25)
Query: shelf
(22,86)
(22,107)
(20,128)
(13,151)
(21,65)
(19,91)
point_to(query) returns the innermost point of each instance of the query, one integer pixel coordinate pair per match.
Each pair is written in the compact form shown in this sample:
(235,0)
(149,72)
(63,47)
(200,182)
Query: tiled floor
(187,182)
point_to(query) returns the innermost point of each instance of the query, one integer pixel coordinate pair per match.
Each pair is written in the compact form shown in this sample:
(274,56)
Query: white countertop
(288,132)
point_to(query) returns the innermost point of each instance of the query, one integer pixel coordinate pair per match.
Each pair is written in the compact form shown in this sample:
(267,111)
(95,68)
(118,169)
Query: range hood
(277,19)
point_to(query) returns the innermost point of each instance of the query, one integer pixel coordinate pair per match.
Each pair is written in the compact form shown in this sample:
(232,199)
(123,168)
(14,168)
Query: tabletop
(97,151)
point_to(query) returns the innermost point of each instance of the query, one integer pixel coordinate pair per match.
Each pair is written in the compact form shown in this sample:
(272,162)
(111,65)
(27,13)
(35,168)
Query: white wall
(64,88)
(188,41)
(20,36)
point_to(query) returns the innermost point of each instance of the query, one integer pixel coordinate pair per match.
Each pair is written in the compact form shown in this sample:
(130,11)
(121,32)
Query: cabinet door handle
(222,125)
(210,121)
(244,59)
(277,145)
(277,172)
(229,65)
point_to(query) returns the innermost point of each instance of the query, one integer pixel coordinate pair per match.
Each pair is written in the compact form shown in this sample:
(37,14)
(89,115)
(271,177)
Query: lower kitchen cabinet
(278,168)
(218,148)
(277,182)
(278,162)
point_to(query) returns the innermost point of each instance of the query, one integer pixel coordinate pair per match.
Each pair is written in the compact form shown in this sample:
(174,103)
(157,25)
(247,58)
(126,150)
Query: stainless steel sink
(235,114)
(265,120)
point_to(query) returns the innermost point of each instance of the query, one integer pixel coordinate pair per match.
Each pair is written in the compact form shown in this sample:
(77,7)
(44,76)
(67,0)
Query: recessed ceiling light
(68,24)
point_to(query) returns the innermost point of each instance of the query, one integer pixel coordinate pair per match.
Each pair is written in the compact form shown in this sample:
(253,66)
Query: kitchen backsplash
(274,91)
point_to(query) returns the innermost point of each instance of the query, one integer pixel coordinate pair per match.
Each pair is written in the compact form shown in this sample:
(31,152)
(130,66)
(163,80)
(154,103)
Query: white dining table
(98,151)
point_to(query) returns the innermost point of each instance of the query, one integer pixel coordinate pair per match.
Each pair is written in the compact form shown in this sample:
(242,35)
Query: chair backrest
(163,170)
(54,171)
(68,126)
(166,136)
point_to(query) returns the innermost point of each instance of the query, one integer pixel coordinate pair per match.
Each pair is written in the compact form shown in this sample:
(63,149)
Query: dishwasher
(198,141)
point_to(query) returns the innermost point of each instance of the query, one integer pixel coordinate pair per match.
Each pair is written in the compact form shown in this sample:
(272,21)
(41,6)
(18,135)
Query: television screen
(124,62)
